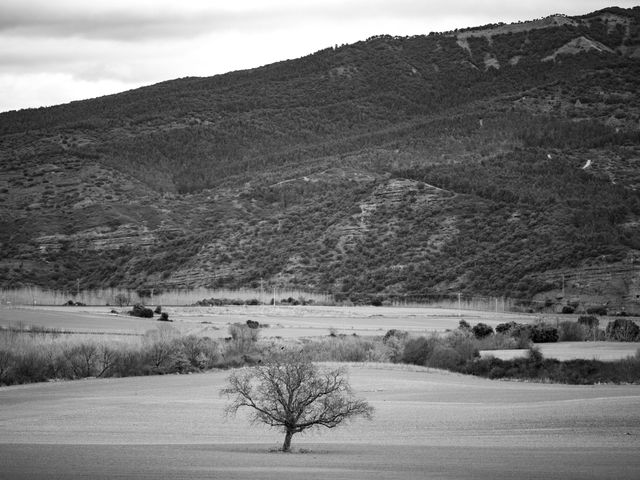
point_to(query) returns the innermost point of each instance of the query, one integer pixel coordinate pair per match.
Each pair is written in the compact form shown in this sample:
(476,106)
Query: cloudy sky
(55,51)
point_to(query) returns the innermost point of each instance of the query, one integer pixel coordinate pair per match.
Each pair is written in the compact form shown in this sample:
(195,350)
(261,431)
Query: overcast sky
(55,51)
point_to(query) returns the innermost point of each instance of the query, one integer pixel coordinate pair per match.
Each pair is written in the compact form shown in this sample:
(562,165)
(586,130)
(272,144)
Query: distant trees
(623,330)
(291,393)
(122,299)
(140,310)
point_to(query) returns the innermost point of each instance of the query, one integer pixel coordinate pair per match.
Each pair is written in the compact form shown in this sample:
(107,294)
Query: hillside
(489,161)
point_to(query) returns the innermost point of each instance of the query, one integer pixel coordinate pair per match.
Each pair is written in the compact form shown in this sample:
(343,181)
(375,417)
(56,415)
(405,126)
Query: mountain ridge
(364,170)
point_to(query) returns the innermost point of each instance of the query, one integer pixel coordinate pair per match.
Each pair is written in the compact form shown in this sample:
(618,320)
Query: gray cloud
(139,21)
(105,20)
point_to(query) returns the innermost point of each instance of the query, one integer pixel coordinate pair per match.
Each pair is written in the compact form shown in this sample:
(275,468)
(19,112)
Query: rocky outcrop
(100,238)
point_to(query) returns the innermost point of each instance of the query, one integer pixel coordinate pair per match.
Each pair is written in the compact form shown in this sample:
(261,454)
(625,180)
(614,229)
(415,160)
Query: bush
(464,325)
(571,332)
(346,349)
(590,326)
(418,350)
(253,324)
(588,321)
(71,303)
(82,359)
(159,349)
(622,330)
(164,317)
(543,333)
(444,357)
(243,338)
(598,310)
(395,340)
(200,352)
(481,330)
(506,327)
(568,309)
(464,343)
(140,310)
(158,310)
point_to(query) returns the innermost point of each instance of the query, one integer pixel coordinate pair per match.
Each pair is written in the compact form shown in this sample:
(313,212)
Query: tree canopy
(292,393)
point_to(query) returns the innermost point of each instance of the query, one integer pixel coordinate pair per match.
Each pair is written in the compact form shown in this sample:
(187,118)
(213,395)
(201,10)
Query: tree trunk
(286,446)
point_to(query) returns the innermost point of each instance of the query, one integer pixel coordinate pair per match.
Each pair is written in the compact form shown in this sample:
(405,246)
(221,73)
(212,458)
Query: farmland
(283,321)
(428,424)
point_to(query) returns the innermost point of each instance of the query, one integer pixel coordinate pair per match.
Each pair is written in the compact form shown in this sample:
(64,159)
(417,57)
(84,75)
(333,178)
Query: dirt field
(296,322)
(571,350)
(428,424)
(285,322)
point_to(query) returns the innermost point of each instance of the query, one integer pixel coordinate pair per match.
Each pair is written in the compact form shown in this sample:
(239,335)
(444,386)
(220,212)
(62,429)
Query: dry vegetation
(38,354)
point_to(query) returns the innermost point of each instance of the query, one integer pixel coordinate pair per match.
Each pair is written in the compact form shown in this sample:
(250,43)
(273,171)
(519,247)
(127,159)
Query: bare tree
(292,393)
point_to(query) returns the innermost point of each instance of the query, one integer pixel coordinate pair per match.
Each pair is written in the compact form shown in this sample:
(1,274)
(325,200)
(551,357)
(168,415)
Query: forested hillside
(488,161)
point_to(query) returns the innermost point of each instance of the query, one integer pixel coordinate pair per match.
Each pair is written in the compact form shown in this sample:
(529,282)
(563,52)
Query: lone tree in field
(292,393)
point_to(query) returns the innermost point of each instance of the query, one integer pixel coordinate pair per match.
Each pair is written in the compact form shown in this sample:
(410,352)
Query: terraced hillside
(489,161)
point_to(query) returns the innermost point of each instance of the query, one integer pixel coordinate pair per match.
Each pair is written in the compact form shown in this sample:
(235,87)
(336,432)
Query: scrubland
(212,338)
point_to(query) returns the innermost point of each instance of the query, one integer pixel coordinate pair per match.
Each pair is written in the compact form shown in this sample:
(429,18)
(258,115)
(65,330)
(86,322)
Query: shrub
(200,352)
(534,355)
(598,310)
(590,325)
(571,332)
(140,310)
(464,343)
(506,327)
(158,310)
(418,350)
(395,341)
(543,333)
(522,334)
(588,321)
(444,357)
(481,330)
(622,330)
(82,359)
(253,324)
(160,349)
(164,317)
(31,366)
(6,366)
(394,334)
(464,325)
(346,349)
(243,338)
(568,309)
(581,372)
(71,303)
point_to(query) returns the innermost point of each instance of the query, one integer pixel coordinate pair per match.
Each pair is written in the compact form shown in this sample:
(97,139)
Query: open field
(287,322)
(428,424)
(303,321)
(571,350)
